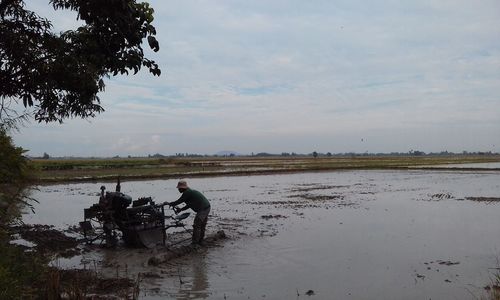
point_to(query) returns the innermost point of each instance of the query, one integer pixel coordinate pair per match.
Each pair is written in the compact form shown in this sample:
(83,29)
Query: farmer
(197,202)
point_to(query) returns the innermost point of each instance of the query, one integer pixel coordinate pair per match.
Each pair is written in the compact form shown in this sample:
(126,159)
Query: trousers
(199,225)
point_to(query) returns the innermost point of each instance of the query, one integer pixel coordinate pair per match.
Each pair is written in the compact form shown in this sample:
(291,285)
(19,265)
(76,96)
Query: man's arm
(183,208)
(178,210)
(175,203)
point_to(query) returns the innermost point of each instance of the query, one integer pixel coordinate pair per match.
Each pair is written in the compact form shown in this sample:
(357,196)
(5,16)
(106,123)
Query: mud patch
(48,240)
(305,196)
(301,201)
(235,225)
(448,196)
(436,197)
(220,190)
(313,197)
(326,201)
(443,262)
(267,217)
(301,188)
(440,196)
(173,253)
(435,269)
(484,199)
(87,284)
(448,262)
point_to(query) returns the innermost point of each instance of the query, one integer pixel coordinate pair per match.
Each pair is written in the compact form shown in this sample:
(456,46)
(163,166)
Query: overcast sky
(299,76)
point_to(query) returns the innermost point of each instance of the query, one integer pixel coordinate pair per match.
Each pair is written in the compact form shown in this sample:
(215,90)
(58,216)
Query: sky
(298,76)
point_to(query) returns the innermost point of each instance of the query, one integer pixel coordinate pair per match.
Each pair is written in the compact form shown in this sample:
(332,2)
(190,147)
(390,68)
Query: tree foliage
(15,173)
(13,165)
(60,75)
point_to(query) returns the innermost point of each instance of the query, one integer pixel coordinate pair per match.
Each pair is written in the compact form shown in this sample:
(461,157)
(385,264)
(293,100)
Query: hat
(182,184)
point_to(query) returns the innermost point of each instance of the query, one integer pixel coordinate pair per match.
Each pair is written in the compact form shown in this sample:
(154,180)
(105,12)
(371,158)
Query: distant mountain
(227,153)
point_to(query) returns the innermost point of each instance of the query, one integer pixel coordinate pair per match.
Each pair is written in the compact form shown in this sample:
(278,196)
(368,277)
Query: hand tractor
(143,224)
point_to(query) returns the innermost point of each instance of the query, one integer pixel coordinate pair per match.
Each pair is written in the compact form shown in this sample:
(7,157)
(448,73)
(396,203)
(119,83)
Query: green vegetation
(59,75)
(18,269)
(15,174)
(136,168)
(493,289)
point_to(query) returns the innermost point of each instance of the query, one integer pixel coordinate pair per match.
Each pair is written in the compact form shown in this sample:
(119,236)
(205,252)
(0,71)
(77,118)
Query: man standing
(197,202)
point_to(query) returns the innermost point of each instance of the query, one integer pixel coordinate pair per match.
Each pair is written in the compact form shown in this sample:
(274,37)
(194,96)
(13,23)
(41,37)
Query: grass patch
(19,270)
(25,273)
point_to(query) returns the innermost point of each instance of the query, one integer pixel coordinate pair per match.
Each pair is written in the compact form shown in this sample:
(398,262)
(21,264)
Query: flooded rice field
(329,235)
(490,166)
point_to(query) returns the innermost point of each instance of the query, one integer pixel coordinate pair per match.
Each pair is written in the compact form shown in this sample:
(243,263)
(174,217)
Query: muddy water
(343,235)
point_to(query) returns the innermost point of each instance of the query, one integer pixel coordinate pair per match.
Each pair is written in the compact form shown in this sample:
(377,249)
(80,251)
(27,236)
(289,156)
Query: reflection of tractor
(142,224)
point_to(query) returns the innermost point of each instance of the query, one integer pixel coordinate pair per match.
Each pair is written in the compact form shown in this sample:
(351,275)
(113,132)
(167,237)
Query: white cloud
(283,75)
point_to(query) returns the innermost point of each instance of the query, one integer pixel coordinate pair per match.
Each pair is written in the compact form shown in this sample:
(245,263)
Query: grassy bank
(60,170)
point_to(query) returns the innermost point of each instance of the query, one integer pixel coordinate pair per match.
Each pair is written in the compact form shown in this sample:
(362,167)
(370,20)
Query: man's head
(182,186)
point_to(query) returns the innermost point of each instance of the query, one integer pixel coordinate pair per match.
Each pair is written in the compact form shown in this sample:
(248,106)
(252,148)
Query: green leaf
(153,43)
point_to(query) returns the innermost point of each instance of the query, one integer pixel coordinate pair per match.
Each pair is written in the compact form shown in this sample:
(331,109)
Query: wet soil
(484,199)
(48,243)
(47,240)
(88,284)
(173,252)
(342,235)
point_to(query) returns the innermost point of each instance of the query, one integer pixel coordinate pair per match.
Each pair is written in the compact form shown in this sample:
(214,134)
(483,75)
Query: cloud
(286,75)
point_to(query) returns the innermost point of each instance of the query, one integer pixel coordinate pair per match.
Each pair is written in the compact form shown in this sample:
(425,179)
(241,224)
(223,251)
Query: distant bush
(13,165)
(15,173)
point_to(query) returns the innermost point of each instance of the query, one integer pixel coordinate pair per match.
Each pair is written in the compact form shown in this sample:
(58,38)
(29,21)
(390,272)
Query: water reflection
(197,288)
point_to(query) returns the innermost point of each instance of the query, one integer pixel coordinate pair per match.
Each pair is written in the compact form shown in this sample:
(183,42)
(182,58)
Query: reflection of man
(199,288)
(197,202)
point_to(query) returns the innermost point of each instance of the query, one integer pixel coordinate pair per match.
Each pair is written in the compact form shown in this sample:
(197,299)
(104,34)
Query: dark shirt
(193,199)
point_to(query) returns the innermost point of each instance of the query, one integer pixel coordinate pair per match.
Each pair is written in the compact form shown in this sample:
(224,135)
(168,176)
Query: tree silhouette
(59,75)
